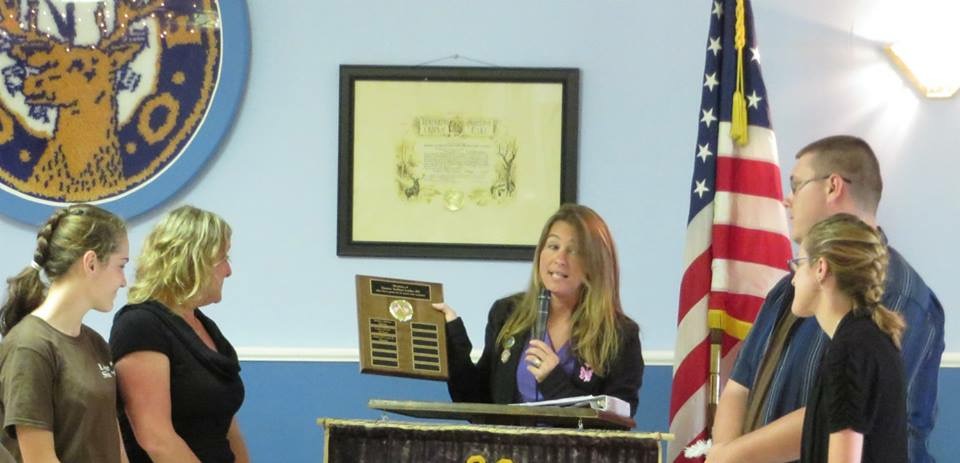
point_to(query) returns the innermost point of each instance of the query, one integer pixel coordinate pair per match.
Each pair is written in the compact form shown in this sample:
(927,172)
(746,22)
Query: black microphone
(540,329)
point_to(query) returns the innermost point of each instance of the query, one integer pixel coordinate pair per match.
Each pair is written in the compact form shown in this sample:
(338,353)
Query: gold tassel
(738,124)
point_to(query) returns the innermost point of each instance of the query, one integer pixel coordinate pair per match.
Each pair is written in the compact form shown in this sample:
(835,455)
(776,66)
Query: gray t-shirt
(61,383)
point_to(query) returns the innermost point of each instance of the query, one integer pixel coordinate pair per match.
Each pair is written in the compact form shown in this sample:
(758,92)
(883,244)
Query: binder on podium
(605,403)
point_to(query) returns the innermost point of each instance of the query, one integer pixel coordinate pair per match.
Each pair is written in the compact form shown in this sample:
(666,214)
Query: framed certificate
(453,162)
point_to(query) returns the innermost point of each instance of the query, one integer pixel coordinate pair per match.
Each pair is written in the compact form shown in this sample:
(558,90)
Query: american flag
(737,243)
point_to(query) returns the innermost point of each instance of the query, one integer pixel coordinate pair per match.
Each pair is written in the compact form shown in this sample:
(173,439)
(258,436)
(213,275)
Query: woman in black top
(179,377)
(857,408)
(589,346)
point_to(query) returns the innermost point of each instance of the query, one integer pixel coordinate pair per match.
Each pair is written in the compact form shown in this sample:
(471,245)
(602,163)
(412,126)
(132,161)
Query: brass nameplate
(401,334)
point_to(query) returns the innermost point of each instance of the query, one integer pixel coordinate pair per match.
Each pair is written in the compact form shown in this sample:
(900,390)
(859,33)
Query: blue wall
(284,400)
(641,63)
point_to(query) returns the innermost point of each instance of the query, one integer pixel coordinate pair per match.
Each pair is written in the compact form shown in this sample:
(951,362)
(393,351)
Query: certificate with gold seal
(401,334)
(453,162)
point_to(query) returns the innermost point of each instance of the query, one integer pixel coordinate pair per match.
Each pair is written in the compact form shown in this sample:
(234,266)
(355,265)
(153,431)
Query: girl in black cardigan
(857,407)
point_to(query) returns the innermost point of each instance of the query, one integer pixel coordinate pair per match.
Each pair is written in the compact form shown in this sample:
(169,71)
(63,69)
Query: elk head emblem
(74,84)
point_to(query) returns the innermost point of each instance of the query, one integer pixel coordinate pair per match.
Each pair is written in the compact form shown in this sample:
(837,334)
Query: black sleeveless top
(205,386)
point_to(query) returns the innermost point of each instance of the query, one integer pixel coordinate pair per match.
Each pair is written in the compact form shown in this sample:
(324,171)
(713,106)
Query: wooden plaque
(401,334)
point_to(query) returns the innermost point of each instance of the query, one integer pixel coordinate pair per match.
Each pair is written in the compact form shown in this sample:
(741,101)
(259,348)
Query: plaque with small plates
(401,334)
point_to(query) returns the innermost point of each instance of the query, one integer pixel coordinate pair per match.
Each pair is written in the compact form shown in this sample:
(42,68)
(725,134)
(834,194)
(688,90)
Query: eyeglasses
(794,263)
(795,187)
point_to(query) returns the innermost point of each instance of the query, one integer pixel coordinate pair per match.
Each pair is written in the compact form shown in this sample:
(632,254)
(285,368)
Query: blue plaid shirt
(922,346)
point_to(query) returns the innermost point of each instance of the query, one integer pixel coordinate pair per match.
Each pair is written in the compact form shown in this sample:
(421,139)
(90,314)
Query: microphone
(540,328)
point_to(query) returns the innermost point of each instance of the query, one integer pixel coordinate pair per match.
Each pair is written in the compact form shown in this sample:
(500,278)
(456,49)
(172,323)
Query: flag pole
(713,399)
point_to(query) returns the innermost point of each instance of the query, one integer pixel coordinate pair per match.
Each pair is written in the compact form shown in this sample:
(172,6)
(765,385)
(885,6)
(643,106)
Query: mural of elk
(82,160)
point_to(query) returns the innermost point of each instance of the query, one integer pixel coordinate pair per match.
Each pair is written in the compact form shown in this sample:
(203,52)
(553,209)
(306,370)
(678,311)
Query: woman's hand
(541,359)
(448,313)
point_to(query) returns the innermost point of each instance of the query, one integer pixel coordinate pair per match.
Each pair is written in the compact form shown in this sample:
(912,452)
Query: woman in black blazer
(589,345)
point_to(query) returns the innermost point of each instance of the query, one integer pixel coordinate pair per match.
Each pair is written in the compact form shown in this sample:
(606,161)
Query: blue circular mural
(117,103)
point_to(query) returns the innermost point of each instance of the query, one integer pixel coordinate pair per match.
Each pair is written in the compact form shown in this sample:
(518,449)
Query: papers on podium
(603,403)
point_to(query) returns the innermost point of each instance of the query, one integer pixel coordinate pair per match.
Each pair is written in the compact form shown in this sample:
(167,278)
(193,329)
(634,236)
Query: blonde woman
(590,346)
(857,408)
(179,377)
(57,385)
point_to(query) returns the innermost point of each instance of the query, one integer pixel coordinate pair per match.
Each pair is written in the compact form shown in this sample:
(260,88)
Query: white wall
(275,179)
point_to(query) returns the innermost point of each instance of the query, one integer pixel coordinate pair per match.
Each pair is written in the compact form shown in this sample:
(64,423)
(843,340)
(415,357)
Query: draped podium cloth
(394,442)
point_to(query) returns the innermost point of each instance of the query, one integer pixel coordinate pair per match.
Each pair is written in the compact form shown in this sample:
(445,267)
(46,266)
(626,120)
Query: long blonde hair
(178,256)
(857,257)
(64,237)
(594,333)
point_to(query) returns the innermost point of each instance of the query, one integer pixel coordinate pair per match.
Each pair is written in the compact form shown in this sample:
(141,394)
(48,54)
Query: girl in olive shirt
(57,382)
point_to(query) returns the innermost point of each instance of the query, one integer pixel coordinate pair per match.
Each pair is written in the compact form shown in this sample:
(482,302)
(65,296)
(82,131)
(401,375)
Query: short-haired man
(760,415)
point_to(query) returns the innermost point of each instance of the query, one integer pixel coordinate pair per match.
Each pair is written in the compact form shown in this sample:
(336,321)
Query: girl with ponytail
(57,386)
(857,408)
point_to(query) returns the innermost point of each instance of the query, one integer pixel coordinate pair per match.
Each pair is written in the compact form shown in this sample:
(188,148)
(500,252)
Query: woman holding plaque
(587,345)
(178,376)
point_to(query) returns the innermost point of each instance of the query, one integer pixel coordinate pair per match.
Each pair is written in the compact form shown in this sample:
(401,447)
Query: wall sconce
(932,67)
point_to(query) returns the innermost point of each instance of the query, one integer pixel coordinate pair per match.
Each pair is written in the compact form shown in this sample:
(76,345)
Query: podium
(585,435)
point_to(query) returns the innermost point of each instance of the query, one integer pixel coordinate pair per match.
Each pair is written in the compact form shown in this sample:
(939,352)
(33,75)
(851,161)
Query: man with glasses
(760,415)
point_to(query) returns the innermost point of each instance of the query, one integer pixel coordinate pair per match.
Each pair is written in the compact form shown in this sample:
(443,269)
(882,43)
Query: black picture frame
(348,243)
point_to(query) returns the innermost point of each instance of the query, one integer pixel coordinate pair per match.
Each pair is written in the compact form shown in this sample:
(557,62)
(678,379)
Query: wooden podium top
(572,417)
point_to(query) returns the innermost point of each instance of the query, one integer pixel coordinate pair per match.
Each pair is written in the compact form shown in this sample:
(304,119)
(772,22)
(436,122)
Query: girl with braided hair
(857,407)
(57,385)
